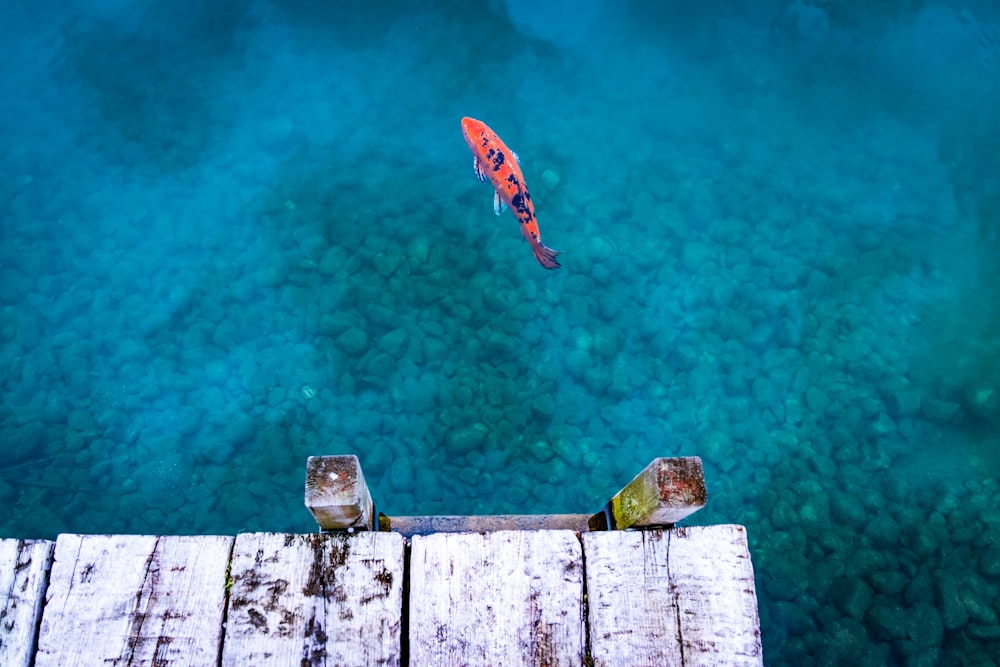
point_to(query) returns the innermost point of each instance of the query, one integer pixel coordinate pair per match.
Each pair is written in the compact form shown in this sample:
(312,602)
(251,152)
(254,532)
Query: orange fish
(494,161)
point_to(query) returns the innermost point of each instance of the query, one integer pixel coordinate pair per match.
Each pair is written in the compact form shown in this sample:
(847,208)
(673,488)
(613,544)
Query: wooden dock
(661,596)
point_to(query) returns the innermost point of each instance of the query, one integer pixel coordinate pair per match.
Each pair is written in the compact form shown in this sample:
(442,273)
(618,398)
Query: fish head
(471,130)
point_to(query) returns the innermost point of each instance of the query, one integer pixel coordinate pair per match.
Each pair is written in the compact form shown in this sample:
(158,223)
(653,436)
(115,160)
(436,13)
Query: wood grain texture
(501,598)
(323,599)
(24,565)
(134,600)
(632,615)
(712,575)
(679,597)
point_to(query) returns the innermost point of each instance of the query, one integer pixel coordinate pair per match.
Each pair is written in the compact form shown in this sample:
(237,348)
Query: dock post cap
(337,495)
(666,491)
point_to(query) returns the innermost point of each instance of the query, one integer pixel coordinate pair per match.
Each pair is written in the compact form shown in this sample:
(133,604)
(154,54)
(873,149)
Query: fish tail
(546,256)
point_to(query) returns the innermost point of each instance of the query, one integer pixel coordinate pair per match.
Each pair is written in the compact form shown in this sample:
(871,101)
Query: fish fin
(545,255)
(476,167)
(498,206)
(517,158)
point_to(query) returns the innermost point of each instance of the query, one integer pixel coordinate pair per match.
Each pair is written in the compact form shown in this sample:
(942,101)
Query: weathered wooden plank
(666,491)
(323,599)
(24,565)
(134,600)
(337,495)
(679,597)
(712,576)
(501,598)
(631,611)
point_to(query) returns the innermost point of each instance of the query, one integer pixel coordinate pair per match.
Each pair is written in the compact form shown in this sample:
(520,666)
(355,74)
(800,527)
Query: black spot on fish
(497,161)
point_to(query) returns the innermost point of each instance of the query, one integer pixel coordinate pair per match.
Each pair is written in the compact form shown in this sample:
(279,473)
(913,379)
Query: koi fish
(494,161)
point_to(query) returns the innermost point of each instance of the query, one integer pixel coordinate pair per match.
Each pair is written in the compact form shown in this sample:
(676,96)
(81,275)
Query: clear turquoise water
(233,235)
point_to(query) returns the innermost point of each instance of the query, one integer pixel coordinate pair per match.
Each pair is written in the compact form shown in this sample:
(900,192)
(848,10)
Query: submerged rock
(905,402)
(461,441)
(937,411)
(401,475)
(353,341)
(386,264)
(983,401)
(924,625)
(888,620)
(853,596)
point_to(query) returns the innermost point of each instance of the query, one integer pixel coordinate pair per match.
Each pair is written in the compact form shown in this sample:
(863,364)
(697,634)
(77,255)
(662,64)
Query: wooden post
(337,495)
(665,492)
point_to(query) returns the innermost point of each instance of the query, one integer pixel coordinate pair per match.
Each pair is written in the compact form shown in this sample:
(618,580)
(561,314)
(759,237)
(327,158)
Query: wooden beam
(680,597)
(321,599)
(337,495)
(425,525)
(503,598)
(134,600)
(666,491)
(24,566)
